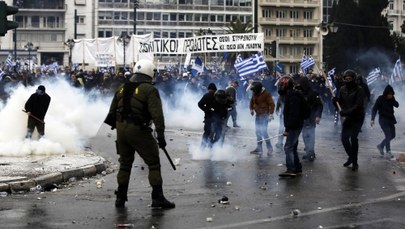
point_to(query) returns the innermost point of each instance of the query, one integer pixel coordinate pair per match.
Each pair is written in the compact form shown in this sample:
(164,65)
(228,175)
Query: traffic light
(273,49)
(5,24)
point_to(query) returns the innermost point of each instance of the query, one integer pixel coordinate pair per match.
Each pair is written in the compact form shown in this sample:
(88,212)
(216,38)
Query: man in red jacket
(262,104)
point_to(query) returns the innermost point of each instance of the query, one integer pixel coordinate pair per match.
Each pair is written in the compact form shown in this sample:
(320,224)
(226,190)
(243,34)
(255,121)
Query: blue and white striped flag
(9,61)
(331,73)
(2,73)
(250,65)
(307,62)
(396,72)
(373,76)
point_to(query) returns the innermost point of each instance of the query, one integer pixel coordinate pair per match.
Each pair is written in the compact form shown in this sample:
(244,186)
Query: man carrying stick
(36,107)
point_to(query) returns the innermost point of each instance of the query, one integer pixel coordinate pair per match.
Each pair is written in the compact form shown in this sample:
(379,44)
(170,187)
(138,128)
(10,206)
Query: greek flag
(9,61)
(396,72)
(307,62)
(250,65)
(373,76)
(198,66)
(1,74)
(331,73)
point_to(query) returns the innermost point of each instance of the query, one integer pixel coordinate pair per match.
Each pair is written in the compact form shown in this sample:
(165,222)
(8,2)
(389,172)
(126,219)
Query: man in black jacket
(351,98)
(206,104)
(36,107)
(293,121)
(316,106)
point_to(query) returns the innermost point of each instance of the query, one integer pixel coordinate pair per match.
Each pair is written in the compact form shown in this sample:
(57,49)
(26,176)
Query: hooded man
(36,107)
(384,105)
(351,98)
(316,106)
(206,104)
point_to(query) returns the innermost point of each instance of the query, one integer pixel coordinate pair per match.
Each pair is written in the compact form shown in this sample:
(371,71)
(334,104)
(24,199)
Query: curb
(52,178)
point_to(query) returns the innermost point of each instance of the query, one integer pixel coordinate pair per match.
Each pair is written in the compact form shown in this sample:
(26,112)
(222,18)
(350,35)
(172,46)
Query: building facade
(48,24)
(395,13)
(292,24)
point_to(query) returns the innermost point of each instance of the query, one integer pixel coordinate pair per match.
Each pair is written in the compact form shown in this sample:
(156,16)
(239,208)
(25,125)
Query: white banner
(104,60)
(88,51)
(244,42)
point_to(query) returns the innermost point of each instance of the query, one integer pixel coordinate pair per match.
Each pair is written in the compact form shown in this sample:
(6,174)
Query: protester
(135,105)
(231,91)
(351,98)
(206,104)
(308,131)
(222,103)
(384,105)
(36,107)
(294,114)
(262,105)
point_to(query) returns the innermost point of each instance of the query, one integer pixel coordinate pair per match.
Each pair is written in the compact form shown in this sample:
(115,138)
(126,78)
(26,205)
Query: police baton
(169,158)
(34,117)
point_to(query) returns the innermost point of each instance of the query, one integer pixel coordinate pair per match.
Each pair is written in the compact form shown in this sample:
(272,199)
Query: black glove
(343,113)
(335,99)
(161,142)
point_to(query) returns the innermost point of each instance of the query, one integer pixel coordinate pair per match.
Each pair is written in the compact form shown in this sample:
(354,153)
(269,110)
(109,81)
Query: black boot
(158,199)
(121,194)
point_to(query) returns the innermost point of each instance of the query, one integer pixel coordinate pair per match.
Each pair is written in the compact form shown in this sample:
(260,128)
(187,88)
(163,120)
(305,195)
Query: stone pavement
(23,173)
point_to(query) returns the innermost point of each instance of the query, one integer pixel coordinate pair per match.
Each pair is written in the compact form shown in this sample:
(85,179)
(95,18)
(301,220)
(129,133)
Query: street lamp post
(29,47)
(124,38)
(70,43)
(136,5)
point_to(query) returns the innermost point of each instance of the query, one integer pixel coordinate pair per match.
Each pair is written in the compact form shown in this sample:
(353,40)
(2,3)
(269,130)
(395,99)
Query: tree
(363,36)
(238,26)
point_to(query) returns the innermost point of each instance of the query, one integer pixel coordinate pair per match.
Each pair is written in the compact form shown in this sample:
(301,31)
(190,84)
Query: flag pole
(328,85)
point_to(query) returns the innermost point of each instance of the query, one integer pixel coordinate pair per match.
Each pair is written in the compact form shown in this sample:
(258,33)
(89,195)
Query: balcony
(288,22)
(46,9)
(291,3)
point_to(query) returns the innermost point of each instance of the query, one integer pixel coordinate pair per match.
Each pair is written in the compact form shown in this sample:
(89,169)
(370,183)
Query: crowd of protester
(172,84)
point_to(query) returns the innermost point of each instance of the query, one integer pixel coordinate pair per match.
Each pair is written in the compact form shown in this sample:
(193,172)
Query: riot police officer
(136,104)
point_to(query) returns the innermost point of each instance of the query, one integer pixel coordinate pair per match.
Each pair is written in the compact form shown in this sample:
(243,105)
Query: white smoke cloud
(72,118)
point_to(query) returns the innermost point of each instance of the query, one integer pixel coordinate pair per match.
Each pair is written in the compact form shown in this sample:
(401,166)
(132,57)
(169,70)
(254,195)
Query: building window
(140,16)
(294,51)
(308,51)
(307,15)
(280,32)
(213,18)
(104,33)
(104,15)
(184,2)
(280,13)
(391,5)
(35,21)
(267,32)
(266,13)
(80,19)
(294,33)
(156,16)
(294,14)
(403,5)
(308,33)
(294,68)
(149,16)
(220,18)
(173,17)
